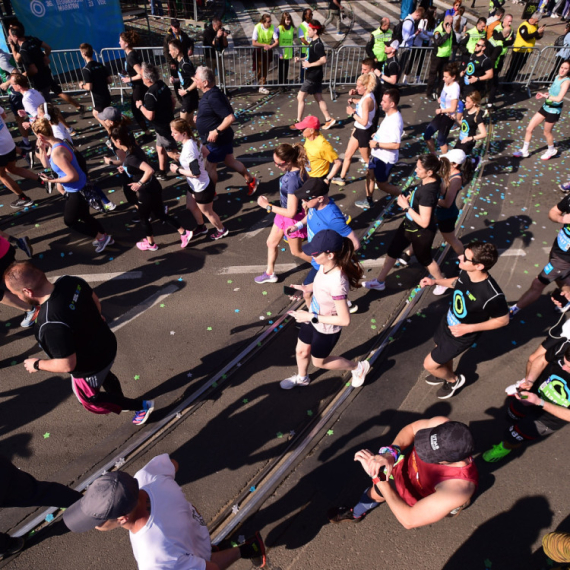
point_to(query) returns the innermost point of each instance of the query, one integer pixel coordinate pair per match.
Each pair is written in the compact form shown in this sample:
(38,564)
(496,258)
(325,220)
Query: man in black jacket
(526,37)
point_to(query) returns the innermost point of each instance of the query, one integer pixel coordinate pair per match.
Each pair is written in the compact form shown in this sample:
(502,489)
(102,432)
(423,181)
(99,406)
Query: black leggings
(138,95)
(420,238)
(150,202)
(113,394)
(76,209)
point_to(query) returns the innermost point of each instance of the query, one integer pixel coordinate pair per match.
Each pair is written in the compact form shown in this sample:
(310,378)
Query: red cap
(309,122)
(315,26)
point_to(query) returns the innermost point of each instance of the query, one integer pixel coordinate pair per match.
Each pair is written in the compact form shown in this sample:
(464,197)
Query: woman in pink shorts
(291,160)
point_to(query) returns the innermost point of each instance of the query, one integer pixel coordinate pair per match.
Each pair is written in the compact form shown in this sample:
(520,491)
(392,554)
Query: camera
(226,31)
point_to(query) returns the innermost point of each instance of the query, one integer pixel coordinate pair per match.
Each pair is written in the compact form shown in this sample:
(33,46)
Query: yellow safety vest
(380,40)
(264,36)
(444,50)
(520,43)
(286,38)
(305,27)
(474,36)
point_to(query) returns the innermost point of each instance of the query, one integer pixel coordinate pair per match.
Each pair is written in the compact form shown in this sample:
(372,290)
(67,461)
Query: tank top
(453,210)
(69,186)
(4,247)
(416,479)
(555,106)
(358,112)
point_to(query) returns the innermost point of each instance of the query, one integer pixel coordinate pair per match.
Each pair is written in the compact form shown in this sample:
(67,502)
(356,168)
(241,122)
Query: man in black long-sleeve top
(215,38)
(527,34)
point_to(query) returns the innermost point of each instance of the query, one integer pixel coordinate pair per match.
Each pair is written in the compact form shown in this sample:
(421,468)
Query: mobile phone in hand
(290,290)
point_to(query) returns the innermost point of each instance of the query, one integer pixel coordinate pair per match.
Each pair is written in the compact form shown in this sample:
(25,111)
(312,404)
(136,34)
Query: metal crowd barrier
(66,65)
(518,67)
(546,66)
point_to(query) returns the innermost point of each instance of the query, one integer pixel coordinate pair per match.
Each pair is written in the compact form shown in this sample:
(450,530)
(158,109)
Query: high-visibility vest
(520,43)
(501,42)
(264,35)
(474,36)
(305,27)
(444,50)
(380,40)
(286,38)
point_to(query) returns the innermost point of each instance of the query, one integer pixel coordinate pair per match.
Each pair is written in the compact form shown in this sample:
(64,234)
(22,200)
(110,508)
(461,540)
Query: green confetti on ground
(137,377)
(230,281)
(309,413)
(214,384)
(268,313)
(162,305)
(330,432)
(279,435)
(13,363)
(245,400)
(264,292)
(46,435)
(209,329)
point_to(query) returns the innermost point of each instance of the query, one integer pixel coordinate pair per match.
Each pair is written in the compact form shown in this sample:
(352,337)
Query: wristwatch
(315,318)
(269,208)
(219,132)
(37,365)
(406,209)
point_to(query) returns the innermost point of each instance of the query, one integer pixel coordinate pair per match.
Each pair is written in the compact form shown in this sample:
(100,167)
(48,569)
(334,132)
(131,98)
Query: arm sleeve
(525,35)
(563,205)
(86,75)
(157,466)
(255,35)
(340,290)
(440,39)
(407,30)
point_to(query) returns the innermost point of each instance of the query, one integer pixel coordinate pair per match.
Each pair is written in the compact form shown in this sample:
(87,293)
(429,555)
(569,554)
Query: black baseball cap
(175,23)
(450,441)
(324,241)
(313,188)
(111,496)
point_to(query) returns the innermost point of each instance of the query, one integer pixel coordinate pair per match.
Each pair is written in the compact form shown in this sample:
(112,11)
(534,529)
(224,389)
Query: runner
(265,37)
(158,108)
(385,145)
(201,190)
(472,123)
(549,113)
(96,80)
(148,189)
(127,42)
(314,74)
(72,332)
(448,103)
(291,160)
(321,326)
(303,35)
(436,479)
(215,117)
(363,115)
(477,305)
(419,226)
(184,83)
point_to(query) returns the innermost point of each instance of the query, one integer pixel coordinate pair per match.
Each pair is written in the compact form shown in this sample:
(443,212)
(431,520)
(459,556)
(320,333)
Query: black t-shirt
(316,51)
(69,323)
(470,124)
(133,160)
(333,6)
(390,68)
(424,195)
(186,73)
(553,384)
(477,66)
(214,107)
(32,54)
(133,59)
(474,303)
(159,99)
(561,245)
(96,74)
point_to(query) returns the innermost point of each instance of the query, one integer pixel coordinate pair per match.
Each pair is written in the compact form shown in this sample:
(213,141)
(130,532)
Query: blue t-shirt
(329,218)
(288,184)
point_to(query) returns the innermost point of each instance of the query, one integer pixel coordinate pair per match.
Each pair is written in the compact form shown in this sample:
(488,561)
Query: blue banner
(65,24)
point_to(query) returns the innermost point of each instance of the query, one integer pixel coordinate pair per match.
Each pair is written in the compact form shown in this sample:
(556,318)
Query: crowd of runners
(430,461)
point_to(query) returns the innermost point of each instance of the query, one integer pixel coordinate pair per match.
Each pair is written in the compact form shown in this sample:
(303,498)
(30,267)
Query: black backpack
(559,41)
(397,32)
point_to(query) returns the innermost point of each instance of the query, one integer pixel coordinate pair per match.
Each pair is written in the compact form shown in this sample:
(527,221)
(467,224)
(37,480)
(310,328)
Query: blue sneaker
(30,317)
(565,187)
(25,245)
(142,416)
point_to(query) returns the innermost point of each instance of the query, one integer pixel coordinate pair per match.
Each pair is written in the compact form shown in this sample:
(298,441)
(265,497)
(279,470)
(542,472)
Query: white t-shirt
(175,536)
(390,130)
(191,152)
(60,132)
(31,100)
(7,143)
(448,94)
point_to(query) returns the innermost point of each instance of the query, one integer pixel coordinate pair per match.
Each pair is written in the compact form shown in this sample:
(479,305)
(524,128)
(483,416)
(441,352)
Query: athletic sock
(25,140)
(525,146)
(550,148)
(364,505)
(369,200)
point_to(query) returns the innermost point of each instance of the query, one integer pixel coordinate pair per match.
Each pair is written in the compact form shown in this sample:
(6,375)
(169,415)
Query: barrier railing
(66,65)
(517,66)
(546,66)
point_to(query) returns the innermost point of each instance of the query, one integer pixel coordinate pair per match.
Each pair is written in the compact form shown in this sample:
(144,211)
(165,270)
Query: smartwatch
(315,318)
(37,365)
(406,209)
(269,209)
(219,132)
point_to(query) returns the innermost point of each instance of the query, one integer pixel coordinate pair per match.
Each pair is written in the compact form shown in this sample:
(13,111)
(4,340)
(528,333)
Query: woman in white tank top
(363,115)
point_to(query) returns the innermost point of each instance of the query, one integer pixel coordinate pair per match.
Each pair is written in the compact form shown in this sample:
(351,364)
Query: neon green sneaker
(496,453)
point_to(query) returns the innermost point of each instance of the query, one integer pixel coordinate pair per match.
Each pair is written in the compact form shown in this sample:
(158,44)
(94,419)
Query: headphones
(46,114)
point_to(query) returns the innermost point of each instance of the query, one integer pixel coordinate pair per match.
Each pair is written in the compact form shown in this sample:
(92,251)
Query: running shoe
(521,154)
(364,204)
(293,127)
(219,234)
(142,416)
(513,311)
(440,290)
(496,453)
(448,389)
(26,147)
(22,202)
(331,122)
(30,317)
(15,545)
(161,175)
(293,381)
(339,181)
(109,206)
(185,238)
(81,111)
(433,381)
(103,243)
(264,91)
(145,245)
(359,374)
(252,187)
(200,230)
(565,187)
(72,131)
(253,549)
(550,153)
(266,278)
(404,259)
(352,308)
(374,284)
(343,514)
(25,245)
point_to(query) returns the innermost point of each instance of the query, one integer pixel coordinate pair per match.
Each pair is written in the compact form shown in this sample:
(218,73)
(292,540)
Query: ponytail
(296,155)
(349,264)
(444,170)
(438,167)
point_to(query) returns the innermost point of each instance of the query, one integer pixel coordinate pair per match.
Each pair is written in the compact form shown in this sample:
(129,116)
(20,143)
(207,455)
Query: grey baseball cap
(111,496)
(110,114)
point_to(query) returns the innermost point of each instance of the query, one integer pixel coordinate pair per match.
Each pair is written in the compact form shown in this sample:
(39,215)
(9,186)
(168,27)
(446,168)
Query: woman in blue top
(291,160)
(71,180)
(550,112)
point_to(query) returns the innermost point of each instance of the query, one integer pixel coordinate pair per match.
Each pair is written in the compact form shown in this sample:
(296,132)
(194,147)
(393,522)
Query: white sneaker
(440,289)
(359,375)
(352,308)
(374,284)
(549,154)
(264,91)
(293,381)
(521,154)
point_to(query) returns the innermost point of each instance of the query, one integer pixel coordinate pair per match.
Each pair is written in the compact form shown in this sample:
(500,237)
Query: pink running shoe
(144,245)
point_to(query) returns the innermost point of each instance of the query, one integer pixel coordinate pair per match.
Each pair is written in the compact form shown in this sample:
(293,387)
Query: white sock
(525,146)
(550,148)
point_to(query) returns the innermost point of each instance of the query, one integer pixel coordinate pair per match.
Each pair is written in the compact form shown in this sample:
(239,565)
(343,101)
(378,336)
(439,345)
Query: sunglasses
(467,259)
(279,164)
(309,199)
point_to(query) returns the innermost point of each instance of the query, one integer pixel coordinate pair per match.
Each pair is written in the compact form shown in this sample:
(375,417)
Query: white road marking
(258,227)
(282,267)
(97,277)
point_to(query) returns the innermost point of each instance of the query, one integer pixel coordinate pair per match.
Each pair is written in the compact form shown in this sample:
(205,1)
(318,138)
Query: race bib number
(555,390)
(563,240)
